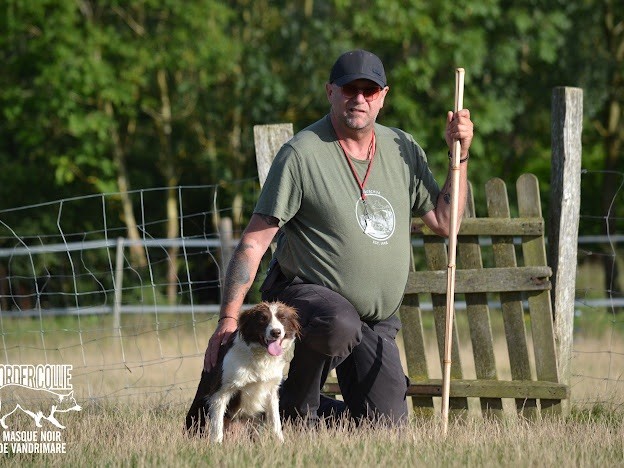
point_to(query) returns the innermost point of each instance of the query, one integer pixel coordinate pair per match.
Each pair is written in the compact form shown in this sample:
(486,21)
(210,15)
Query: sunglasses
(370,94)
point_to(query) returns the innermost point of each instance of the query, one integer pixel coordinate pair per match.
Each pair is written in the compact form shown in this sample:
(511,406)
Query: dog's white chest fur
(255,373)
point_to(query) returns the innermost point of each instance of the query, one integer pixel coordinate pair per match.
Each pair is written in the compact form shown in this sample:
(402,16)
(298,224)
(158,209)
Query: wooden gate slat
(511,302)
(415,351)
(469,256)
(518,389)
(524,226)
(534,252)
(533,278)
(437,259)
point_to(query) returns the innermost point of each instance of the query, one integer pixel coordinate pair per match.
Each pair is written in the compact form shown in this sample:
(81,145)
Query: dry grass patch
(149,435)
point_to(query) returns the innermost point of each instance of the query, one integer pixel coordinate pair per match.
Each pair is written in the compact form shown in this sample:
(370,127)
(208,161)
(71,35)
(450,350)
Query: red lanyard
(371,156)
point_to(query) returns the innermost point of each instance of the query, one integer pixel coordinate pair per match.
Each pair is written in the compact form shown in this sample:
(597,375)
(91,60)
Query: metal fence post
(119,259)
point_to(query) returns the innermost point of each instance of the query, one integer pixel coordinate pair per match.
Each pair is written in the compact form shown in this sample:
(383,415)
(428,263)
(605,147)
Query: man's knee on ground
(391,409)
(394,416)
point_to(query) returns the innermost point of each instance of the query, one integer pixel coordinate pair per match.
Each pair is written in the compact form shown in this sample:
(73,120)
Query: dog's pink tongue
(275,348)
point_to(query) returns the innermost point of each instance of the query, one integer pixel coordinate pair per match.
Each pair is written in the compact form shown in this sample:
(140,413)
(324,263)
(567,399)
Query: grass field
(135,389)
(151,435)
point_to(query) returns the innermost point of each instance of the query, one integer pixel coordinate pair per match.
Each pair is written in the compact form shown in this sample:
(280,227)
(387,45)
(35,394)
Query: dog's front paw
(216,438)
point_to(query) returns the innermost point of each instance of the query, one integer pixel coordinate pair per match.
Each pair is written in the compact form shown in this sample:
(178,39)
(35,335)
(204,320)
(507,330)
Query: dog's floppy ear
(290,316)
(251,320)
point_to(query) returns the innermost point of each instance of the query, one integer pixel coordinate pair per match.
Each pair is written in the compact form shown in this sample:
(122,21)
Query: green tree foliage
(113,95)
(504,47)
(593,59)
(93,86)
(106,96)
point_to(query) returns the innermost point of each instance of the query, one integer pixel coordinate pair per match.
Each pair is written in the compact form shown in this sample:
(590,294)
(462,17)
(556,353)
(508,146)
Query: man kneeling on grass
(340,197)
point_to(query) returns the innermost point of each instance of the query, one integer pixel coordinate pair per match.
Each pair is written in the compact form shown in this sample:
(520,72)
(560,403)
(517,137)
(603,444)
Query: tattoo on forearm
(237,274)
(447,198)
(270,220)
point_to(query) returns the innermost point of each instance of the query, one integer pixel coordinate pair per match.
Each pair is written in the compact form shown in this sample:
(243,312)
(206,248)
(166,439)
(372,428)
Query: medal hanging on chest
(370,156)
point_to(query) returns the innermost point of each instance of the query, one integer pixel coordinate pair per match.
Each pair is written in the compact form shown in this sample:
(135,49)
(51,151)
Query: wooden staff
(450,286)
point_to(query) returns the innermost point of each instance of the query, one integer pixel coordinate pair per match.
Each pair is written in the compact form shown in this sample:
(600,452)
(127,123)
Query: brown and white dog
(249,370)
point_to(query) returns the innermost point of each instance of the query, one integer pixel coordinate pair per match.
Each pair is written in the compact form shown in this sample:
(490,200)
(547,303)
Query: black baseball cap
(356,65)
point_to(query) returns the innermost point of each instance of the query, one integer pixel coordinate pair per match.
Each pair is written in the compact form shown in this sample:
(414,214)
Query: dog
(249,370)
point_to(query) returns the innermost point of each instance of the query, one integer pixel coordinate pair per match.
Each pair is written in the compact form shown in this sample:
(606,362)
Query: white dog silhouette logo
(39,404)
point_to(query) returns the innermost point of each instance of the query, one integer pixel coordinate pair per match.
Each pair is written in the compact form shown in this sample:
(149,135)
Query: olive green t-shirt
(327,235)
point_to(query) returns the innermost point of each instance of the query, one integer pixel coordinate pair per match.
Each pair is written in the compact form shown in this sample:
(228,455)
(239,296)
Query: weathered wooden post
(225,239)
(268,139)
(565,201)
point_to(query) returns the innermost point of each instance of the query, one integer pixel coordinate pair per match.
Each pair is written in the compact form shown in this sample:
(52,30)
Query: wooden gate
(516,280)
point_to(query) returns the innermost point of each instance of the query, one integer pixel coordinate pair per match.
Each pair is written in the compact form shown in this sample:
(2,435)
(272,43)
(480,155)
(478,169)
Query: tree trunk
(173,232)
(137,253)
(614,138)
(170,173)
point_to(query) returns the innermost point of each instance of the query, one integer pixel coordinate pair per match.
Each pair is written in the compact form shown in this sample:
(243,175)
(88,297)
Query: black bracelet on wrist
(227,317)
(461,160)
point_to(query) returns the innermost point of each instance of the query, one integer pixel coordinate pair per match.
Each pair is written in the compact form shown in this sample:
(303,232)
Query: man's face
(357,103)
